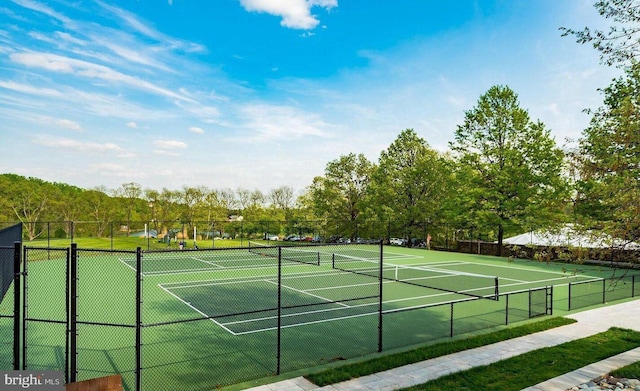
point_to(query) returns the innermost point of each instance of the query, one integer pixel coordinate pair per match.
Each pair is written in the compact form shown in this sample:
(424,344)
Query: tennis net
(286,253)
(468,284)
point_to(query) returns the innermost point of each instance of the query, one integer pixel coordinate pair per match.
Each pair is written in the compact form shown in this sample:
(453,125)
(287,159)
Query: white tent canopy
(568,236)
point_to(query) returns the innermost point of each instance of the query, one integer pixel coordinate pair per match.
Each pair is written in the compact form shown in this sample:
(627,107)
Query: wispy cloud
(68,124)
(270,122)
(42,8)
(62,64)
(196,130)
(80,146)
(139,26)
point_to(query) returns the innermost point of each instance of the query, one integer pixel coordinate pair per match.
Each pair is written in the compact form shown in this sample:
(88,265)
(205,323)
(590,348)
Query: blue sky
(258,94)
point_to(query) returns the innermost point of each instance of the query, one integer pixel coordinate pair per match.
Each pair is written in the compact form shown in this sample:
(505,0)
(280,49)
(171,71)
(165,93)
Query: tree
(409,184)
(282,199)
(338,196)
(515,167)
(610,161)
(101,207)
(29,202)
(129,194)
(621,43)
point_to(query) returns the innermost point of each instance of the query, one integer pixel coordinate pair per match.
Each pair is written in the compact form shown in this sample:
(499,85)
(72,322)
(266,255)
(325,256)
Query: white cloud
(79,146)
(169,144)
(197,130)
(296,14)
(68,124)
(132,125)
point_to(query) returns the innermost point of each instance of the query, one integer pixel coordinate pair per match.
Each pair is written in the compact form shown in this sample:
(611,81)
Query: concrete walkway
(625,315)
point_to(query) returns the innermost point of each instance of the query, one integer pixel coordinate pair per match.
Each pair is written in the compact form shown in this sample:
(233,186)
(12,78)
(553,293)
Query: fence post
(506,310)
(72,314)
(25,304)
(451,323)
(138,319)
(279,334)
(16,304)
(380,334)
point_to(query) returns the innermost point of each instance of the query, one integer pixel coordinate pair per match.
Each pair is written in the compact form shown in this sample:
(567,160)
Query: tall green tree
(410,184)
(514,165)
(610,160)
(338,196)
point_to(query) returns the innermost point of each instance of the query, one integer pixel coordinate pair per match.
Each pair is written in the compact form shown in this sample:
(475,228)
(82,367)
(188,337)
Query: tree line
(503,174)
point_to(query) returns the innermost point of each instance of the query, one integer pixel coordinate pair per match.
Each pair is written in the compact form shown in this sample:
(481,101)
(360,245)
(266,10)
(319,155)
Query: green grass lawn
(531,368)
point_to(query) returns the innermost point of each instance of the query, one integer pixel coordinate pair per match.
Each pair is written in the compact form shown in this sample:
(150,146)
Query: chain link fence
(199,319)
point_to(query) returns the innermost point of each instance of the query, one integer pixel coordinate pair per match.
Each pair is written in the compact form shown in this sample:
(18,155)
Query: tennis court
(199,319)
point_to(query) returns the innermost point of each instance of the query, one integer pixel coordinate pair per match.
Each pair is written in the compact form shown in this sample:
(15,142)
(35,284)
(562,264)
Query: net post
(16,304)
(318,258)
(73,313)
(569,299)
(497,290)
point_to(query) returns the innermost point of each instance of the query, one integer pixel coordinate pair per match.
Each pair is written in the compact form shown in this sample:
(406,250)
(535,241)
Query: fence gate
(45,334)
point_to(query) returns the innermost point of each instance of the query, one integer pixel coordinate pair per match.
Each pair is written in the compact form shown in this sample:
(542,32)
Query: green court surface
(216,317)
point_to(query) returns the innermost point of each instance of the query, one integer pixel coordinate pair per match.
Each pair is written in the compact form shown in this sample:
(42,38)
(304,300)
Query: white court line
(126,264)
(207,262)
(197,310)
(314,273)
(301,313)
(527,269)
(305,293)
(192,271)
(306,323)
(338,318)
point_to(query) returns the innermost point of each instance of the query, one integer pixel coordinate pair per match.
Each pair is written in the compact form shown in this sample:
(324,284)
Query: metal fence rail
(602,290)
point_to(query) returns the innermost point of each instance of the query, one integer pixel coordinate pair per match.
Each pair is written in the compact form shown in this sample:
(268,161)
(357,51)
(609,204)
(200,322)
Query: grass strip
(631,371)
(531,368)
(378,364)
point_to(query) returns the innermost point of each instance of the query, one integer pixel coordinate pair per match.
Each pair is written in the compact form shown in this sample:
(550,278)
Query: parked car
(397,241)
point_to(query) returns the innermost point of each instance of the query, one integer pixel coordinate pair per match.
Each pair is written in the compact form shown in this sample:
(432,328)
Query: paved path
(625,315)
